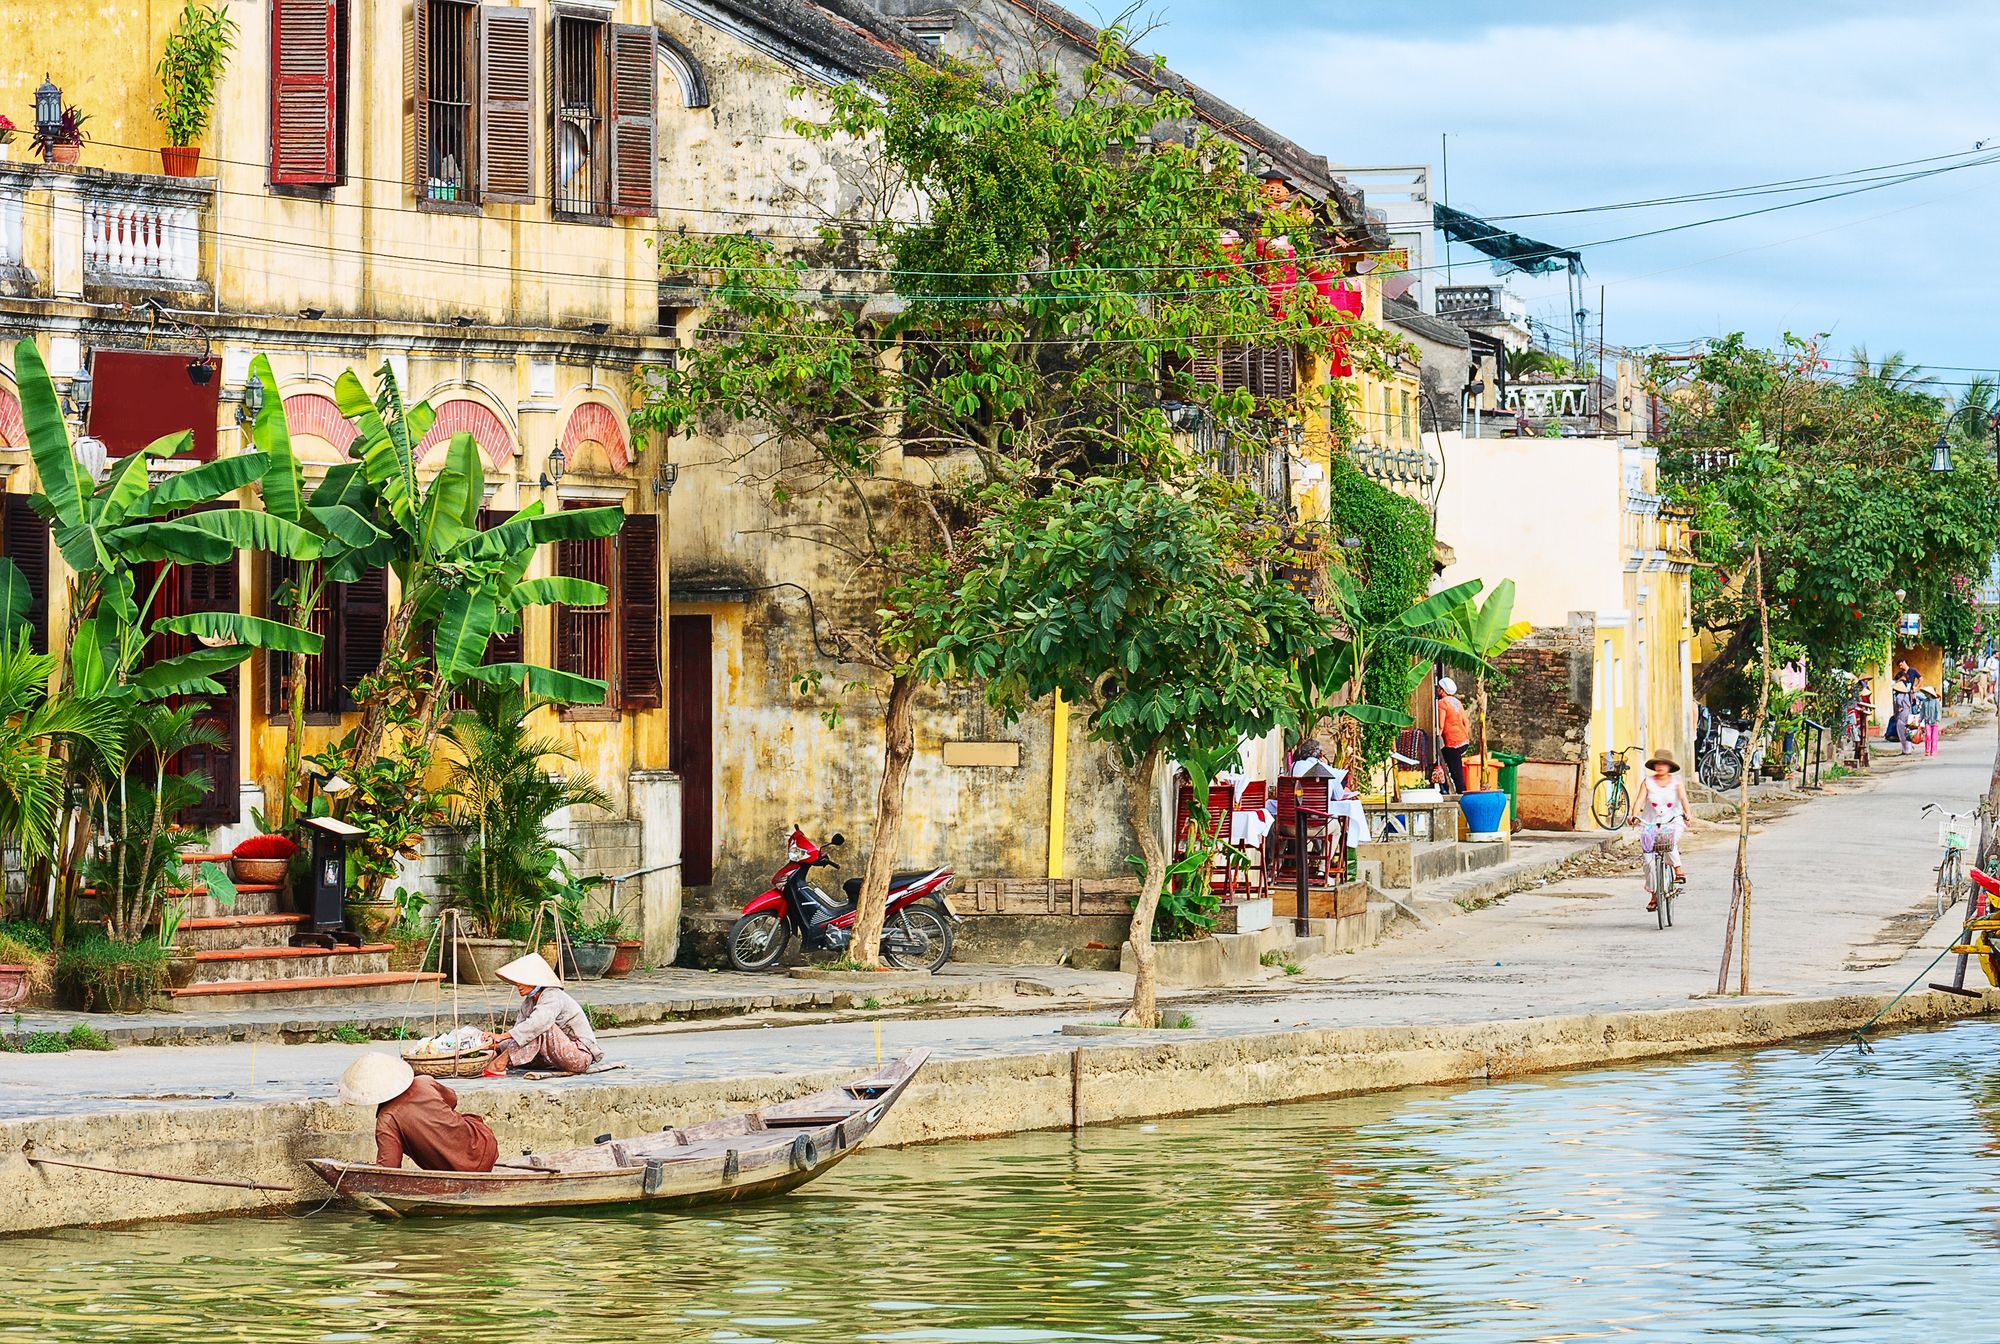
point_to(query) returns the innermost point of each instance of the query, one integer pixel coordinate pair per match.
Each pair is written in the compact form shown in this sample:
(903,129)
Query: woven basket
(471,1064)
(261,872)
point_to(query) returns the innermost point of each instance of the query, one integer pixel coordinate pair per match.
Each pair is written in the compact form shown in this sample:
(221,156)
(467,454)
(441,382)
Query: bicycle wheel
(1667,905)
(1725,768)
(1608,802)
(1663,888)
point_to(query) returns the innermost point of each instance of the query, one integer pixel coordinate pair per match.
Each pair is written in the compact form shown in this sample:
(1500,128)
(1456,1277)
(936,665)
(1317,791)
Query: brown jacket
(424,1123)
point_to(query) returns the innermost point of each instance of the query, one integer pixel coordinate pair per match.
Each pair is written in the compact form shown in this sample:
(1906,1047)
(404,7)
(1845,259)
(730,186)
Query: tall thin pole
(1444,150)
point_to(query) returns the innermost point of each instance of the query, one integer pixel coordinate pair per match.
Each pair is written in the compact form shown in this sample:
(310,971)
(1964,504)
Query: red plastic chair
(1256,878)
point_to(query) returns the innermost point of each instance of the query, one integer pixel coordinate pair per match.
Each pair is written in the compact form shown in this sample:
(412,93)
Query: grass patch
(1176,1021)
(79,1037)
(1272,958)
(83,1036)
(601,1019)
(871,1002)
(1293,968)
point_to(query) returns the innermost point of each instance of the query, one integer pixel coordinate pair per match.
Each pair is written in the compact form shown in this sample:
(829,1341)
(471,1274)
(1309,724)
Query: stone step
(236,965)
(250,900)
(222,933)
(308,991)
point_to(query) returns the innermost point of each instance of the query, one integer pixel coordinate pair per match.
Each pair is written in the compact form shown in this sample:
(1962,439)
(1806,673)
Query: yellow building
(383,185)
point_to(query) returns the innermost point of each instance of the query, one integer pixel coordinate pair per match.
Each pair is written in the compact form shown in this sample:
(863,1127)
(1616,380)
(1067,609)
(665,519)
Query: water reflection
(1748,1197)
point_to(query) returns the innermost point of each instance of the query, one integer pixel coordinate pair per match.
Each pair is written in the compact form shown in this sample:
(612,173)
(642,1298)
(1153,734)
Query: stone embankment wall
(956,1099)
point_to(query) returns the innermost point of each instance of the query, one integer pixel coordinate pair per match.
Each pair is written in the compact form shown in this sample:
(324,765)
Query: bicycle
(1718,760)
(1955,835)
(1611,801)
(1661,883)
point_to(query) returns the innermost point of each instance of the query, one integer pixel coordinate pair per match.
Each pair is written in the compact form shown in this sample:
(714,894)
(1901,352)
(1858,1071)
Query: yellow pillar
(1058,782)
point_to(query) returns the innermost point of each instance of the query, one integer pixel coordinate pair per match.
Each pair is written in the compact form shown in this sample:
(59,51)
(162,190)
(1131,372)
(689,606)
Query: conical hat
(375,1078)
(531,971)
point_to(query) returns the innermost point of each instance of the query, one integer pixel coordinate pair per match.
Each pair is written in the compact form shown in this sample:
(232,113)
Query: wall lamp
(558,463)
(663,480)
(77,401)
(252,403)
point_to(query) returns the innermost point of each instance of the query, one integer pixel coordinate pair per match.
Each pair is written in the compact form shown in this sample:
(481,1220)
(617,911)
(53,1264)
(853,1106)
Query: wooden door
(691,740)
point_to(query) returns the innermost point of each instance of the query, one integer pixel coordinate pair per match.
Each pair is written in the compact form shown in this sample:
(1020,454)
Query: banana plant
(1420,632)
(1484,631)
(460,586)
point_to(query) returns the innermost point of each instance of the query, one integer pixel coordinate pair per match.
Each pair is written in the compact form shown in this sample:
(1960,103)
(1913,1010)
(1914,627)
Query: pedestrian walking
(1930,717)
(1899,720)
(1454,732)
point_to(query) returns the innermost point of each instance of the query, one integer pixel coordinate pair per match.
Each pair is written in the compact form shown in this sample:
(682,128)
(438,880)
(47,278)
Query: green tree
(1041,277)
(1484,631)
(1392,569)
(1153,606)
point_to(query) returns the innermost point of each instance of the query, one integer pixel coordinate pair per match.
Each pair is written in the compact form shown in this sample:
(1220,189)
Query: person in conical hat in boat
(416,1117)
(553,1031)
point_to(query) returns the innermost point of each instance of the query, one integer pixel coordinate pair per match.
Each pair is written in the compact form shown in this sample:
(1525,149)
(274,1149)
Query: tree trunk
(898,745)
(1479,687)
(1736,931)
(1144,811)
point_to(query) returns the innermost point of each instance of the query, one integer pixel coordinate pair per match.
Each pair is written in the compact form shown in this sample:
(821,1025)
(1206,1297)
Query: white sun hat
(1447,685)
(531,971)
(375,1078)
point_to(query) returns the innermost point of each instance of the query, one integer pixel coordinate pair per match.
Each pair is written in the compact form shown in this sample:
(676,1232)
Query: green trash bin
(1510,777)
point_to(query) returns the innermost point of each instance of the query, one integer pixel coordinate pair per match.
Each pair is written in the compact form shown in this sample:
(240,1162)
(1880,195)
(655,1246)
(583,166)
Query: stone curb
(980,1097)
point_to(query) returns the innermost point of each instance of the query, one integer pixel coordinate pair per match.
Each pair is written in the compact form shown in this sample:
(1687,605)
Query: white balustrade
(133,237)
(1547,401)
(11,197)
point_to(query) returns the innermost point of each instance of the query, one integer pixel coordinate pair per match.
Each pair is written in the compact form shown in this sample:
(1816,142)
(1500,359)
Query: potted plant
(263,860)
(625,959)
(105,975)
(1482,631)
(181,964)
(62,142)
(191,63)
(593,946)
(7,129)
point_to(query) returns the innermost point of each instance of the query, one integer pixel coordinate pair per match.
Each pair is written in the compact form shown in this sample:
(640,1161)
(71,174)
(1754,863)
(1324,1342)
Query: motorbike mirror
(838,839)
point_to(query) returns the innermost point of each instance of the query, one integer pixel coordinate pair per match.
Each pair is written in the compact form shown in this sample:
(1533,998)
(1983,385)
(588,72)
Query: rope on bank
(28,1152)
(1854,1038)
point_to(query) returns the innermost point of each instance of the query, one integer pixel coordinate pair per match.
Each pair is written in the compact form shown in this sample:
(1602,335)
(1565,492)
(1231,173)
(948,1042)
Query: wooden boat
(747,1156)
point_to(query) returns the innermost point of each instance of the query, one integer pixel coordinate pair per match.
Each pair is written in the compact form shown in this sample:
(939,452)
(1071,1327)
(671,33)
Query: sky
(1557,104)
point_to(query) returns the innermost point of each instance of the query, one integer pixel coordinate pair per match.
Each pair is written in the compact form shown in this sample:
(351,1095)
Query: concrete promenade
(1842,909)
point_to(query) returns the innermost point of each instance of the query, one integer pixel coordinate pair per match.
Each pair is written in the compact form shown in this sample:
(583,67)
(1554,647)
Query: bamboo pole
(1736,931)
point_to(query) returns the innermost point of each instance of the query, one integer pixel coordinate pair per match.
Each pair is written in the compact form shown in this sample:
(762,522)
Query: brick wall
(1543,709)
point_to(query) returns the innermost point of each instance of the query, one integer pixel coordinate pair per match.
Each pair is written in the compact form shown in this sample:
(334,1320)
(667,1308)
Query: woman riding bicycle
(1663,810)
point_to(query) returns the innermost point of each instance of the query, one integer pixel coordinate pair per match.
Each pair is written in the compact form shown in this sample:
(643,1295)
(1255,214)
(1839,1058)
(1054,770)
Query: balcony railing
(65,232)
(1547,401)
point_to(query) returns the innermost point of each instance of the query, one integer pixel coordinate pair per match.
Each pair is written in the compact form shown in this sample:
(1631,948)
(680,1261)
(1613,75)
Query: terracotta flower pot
(181,160)
(624,959)
(66,154)
(181,967)
(371,919)
(260,872)
(13,985)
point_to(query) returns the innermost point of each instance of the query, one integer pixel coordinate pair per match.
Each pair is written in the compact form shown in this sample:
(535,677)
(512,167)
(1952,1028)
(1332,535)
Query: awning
(1513,251)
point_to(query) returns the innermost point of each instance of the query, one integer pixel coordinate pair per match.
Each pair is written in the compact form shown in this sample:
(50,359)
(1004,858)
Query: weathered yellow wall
(101,55)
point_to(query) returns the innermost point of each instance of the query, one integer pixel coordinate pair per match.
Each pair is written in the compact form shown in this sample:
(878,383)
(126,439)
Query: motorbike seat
(897,882)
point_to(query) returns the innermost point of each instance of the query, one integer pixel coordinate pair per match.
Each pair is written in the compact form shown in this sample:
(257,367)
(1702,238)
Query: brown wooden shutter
(360,621)
(639,612)
(503,648)
(304,90)
(506,103)
(27,545)
(420,97)
(634,78)
(210,588)
(1206,366)
(583,634)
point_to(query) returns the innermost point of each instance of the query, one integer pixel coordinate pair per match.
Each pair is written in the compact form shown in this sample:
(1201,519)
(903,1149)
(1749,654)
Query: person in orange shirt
(1454,732)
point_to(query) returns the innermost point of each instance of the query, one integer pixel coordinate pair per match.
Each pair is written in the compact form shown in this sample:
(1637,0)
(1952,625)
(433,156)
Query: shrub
(102,974)
(83,1036)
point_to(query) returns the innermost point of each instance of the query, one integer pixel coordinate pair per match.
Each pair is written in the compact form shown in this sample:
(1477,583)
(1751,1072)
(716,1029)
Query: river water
(1756,1197)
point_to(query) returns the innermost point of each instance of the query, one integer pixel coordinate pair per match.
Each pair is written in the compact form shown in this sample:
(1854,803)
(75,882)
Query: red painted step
(314,984)
(244,922)
(272,953)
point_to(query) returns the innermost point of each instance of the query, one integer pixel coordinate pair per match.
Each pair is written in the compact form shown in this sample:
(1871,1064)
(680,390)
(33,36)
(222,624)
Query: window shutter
(304,65)
(502,648)
(1205,368)
(634,78)
(420,97)
(26,543)
(360,620)
(639,611)
(1233,360)
(506,103)
(582,634)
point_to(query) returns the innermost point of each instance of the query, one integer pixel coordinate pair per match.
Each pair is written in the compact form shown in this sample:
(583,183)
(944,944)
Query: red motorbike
(916,931)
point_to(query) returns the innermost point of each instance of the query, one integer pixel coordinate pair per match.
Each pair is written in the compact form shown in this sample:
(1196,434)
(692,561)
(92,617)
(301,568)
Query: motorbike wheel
(757,942)
(925,936)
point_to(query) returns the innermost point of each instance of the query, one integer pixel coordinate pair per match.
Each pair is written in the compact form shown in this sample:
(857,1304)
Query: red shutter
(639,612)
(304,85)
(420,97)
(503,648)
(26,543)
(634,77)
(506,103)
(360,621)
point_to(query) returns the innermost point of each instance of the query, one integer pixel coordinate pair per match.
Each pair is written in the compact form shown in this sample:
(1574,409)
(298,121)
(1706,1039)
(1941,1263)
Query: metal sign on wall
(139,395)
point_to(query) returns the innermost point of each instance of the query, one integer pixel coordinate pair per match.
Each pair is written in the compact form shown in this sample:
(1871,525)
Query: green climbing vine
(1394,565)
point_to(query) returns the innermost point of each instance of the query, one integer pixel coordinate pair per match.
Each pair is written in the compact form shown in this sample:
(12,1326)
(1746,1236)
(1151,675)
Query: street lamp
(48,112)
(1941,450)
